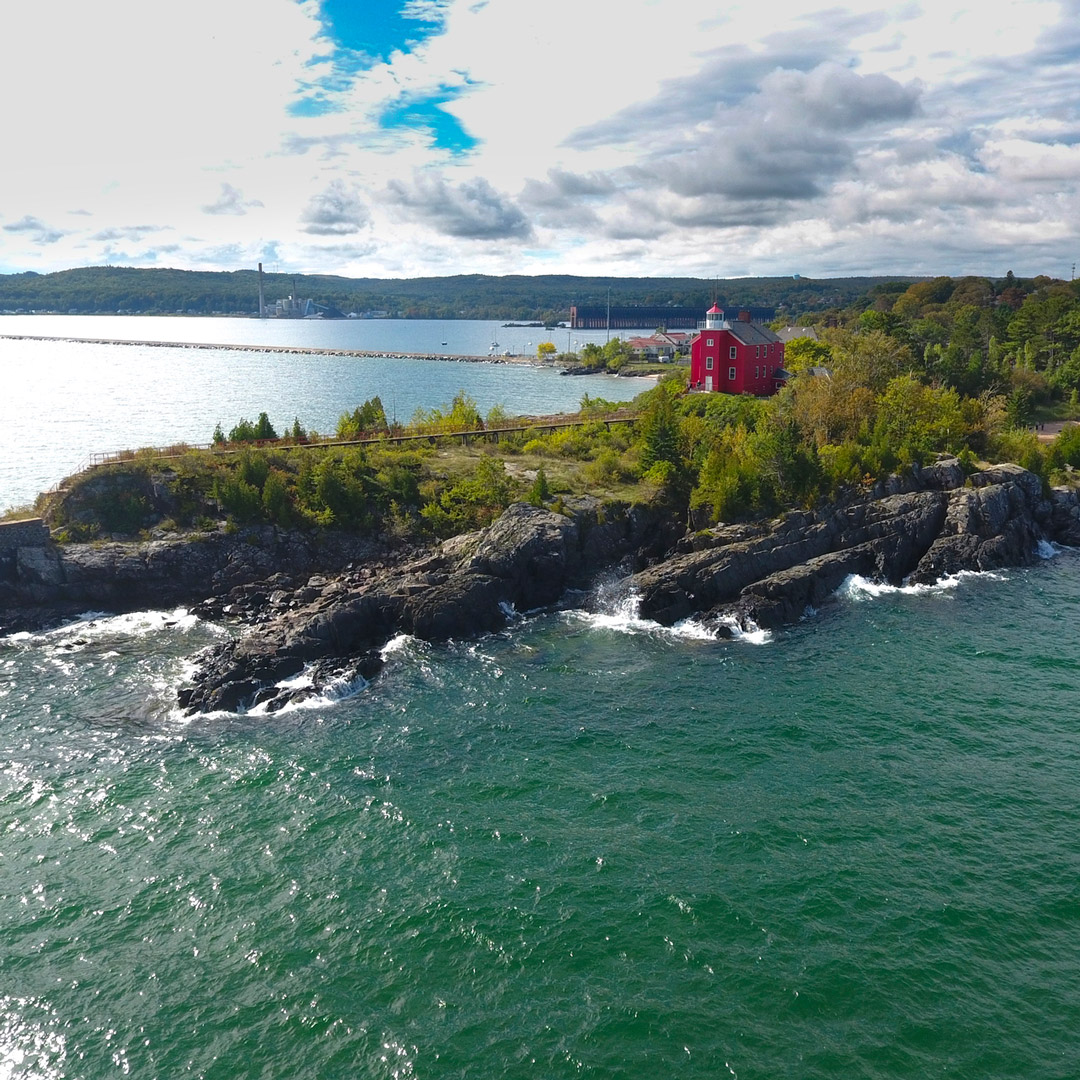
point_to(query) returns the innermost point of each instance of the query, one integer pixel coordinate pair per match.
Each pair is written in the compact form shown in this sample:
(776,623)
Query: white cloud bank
(524,137)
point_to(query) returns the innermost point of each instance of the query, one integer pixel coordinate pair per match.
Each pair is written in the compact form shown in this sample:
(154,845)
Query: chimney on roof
(744,315)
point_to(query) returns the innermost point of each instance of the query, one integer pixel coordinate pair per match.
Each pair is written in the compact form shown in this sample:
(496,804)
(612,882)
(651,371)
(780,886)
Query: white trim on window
(731,374)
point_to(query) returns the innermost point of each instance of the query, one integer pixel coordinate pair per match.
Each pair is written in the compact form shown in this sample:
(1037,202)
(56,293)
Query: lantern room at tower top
(736,357)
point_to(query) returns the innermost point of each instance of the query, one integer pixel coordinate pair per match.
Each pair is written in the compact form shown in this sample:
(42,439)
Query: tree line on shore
(1016,337)
(543,298)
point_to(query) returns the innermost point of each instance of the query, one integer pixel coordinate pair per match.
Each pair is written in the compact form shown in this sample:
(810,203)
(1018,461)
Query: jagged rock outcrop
(527,559)
(331,625)
(928,527)
(42,584)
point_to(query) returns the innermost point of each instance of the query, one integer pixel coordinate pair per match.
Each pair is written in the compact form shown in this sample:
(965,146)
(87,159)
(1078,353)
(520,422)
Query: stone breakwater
(304,350)
(325,607)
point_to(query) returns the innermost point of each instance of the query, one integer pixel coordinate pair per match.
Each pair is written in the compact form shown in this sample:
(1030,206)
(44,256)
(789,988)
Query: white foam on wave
(337,689)
(752,634)
(623,617)
(96,624)
(397,644)
(297,682)
(1046,550)
(856,587)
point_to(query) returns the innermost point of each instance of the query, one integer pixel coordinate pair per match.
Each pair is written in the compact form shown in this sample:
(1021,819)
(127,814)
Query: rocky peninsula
(326,607)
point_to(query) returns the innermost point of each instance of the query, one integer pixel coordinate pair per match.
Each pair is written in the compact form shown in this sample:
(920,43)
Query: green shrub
(276,503)
(253,467)
(539,493)
(240,500)
(606,469)
(472,502)
(366,419)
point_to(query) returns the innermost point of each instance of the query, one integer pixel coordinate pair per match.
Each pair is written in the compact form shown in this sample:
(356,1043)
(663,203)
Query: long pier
(299,350)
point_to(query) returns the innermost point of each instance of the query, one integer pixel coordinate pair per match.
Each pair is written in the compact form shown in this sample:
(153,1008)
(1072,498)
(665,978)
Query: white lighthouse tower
(714,319)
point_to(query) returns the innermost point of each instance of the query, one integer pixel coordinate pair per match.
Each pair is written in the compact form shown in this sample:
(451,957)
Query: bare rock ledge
(332,623)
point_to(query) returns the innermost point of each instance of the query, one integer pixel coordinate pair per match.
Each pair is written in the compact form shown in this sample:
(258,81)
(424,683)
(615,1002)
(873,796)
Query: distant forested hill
(98,289)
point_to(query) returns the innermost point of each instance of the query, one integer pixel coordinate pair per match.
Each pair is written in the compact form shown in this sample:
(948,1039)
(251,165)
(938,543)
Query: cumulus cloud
(816,137)
(755,161)
(562,187)
(230,201)
(338,210)
(36,230)
(1022,160)
(470,210)
(786,141)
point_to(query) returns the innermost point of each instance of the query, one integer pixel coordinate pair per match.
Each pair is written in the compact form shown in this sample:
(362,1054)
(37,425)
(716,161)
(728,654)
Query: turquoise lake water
(584,847)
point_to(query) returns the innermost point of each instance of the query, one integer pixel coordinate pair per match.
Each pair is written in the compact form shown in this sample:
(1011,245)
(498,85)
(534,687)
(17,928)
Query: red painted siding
(754,365)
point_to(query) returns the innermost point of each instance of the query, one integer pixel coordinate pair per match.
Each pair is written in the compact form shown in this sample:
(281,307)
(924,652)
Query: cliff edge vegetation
(834,430)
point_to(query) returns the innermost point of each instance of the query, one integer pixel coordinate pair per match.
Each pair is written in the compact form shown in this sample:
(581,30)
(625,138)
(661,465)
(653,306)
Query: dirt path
(1049,431)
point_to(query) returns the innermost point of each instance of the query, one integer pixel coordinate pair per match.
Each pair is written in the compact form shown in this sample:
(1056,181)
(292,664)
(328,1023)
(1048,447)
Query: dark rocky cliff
(328,605)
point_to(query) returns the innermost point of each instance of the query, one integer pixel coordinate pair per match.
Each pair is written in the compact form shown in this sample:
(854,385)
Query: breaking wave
(855,587)
(621,615)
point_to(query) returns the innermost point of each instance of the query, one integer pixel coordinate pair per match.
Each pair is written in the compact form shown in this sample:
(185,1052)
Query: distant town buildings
(663,345)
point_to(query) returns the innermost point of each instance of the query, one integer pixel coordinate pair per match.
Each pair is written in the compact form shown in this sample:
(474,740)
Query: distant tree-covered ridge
(110,289)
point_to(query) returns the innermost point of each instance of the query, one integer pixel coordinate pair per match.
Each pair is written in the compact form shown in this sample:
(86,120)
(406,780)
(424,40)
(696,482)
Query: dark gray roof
(790,333)
(750,333)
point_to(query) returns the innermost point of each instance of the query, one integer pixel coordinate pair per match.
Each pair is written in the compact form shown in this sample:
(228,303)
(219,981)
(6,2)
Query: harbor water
(68,399)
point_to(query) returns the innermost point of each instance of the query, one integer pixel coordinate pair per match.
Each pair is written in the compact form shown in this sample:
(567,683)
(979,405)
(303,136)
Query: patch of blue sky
(427,114)
(316,104)
(368,31)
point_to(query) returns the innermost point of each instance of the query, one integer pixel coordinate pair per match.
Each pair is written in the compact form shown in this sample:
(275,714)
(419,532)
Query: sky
(402,138)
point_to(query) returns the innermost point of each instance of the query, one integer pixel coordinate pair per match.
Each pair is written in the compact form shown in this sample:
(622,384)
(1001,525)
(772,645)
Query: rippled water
(585,847)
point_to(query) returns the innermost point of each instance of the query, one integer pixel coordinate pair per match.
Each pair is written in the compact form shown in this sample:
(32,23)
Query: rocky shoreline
(324,608)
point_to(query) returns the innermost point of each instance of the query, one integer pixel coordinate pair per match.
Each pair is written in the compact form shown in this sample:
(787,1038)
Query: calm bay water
(66,400)
(585,847)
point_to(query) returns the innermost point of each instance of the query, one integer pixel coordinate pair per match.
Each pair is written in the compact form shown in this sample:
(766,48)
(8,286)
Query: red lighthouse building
(737,357)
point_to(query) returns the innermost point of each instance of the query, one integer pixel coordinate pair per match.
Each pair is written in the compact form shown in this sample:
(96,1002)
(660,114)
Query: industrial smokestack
(262,301)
